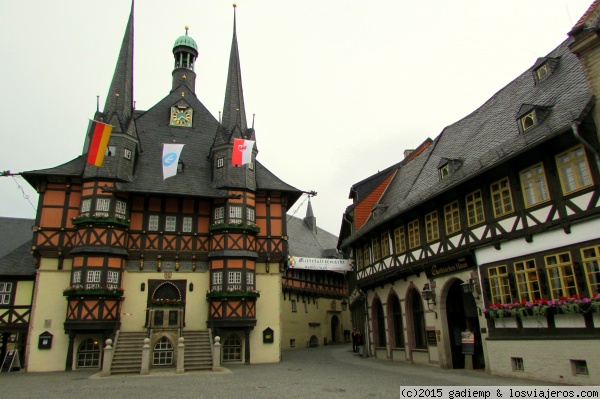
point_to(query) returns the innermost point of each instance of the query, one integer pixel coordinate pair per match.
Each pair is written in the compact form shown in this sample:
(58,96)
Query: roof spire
(234,112)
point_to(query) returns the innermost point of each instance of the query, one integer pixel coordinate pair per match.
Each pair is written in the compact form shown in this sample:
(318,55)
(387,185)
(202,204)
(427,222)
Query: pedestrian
(359,342)
(354,340)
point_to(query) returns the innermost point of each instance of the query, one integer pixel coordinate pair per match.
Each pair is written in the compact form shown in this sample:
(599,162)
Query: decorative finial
(234,5)
(186,30)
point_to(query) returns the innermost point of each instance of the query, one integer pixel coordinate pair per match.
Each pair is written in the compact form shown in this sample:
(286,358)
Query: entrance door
(334,327)
(461,313)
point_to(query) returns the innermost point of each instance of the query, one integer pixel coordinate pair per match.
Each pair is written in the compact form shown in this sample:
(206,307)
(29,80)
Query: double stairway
(127,356)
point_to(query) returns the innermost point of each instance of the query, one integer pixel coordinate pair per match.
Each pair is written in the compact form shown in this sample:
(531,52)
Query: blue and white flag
(170,159)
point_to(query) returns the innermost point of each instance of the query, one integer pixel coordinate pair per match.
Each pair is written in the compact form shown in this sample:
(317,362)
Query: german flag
(100,133)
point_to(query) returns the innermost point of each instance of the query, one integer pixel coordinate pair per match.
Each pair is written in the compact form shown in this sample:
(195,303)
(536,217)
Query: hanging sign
(468,342)
(335,265)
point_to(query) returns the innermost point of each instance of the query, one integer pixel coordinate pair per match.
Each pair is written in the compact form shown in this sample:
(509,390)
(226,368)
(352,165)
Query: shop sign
(453,266)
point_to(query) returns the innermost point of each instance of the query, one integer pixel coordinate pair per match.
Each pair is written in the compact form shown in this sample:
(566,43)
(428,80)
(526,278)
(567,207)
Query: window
(528,121)
(250,216)
(153,222)
(385,244)
(573,170)
(359,259)
(366,258)
(444,171)
(220,163)
(517,364)
(121,209)
(560,275)
(501,197)
(431,226)
(111,151)
(579,367)
(591,262)
(77,277)
(376,249)
(294,306)
(163,353)
(418,321)
(86,205)
(292,343)
(93,279)
(112,280)
(398,326)
(217,281)
(399,240)
(499,285)
(170,222)
(219,215)
(232,349)
(235,214)
(88,354)
(103,204)
(474,203)
(379,320)
(542,72)
(180,166)
(414,239)
(234,282)
(5,293)
(187,224)
(249,280)
(528,281)
(452,217)
(535,188)
(127,154)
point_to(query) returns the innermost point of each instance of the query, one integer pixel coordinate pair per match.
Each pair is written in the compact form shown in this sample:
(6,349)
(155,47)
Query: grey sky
(340,88)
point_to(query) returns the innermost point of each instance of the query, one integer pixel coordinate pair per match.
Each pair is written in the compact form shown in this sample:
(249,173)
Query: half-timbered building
(126,254)
(17,279)
(482,251)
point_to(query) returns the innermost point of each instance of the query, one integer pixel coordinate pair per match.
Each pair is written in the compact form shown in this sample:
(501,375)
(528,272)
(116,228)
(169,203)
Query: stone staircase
(198,353)
(128,353)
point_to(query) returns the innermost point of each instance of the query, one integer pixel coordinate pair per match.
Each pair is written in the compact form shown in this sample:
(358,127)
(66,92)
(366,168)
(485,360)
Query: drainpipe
(575,128)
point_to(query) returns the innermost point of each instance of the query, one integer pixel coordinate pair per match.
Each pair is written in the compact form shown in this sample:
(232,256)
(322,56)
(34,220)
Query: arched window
(378,318)
(418,321)
(166,291)
(88,354)
(163,353)
(396,312)
(232,349)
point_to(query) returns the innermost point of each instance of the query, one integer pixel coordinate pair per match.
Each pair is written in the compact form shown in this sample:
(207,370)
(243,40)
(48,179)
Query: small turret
(185,52)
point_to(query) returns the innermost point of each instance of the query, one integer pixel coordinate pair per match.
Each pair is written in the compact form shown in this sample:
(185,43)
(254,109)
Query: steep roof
(15,247)
(489,136)
(304,241)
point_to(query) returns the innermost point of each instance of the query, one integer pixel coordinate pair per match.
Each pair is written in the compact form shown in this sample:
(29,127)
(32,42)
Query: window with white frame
(217,281)
(250,215)
(103,204)
(219,215)
(432,230)
(235,214)
(573,170)
(86,205)
(234,282)
(77,277)
(112,280)
(220,162)
(187,224)
(127,153)
(93,279)
(5,292)
(110,151)
(535,188)
(153,222)
(121,209)
(170,223)
(249,280)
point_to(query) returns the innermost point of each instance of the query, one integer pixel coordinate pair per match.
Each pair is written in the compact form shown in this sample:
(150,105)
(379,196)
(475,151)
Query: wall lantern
(429,295)
(471,286)
(191,287)
(344,304)
(143,287)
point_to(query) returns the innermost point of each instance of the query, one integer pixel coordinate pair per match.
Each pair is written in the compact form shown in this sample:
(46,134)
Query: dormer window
(542,72)
(448,166)
(444,171)
(544,67)
(528,121)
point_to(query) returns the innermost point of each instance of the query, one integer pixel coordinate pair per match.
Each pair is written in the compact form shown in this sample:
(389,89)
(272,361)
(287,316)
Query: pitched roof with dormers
(490,135)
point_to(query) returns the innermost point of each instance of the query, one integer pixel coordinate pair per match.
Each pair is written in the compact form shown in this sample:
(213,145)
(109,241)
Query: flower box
(534,322)
(596,319)
(569,321)
(505,322)
(95,219)
(236,295)
(233,226)
(96,292)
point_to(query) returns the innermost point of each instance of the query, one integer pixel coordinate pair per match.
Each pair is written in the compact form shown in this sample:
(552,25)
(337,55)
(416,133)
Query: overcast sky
(340,88)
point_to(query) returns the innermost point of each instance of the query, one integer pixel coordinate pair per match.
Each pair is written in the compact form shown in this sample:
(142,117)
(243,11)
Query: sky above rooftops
(339,88)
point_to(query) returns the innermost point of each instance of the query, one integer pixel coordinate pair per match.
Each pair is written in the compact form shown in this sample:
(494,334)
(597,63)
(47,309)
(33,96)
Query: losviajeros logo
(169,158)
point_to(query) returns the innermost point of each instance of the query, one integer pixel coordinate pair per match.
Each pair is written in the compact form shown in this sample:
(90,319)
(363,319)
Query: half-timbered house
(482,251)
(126,254)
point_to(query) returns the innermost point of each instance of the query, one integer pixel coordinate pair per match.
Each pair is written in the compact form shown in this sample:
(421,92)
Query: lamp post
(344,305)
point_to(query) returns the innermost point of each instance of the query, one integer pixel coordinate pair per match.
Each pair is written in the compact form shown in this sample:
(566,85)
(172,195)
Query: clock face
(181,117)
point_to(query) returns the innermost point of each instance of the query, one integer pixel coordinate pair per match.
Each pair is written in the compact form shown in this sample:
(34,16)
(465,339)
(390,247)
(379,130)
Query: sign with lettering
(335,265)
(452,266)
(468,342)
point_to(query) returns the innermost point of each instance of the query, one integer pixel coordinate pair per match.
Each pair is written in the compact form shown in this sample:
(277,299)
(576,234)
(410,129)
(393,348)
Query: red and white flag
(242,152)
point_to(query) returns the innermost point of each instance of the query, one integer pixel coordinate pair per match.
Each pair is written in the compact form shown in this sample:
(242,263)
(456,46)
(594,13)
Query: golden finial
(186,29)
(234,5)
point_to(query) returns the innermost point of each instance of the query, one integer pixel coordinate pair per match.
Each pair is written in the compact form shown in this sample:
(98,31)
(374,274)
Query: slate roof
(15,247)
(489,136)
(303,241)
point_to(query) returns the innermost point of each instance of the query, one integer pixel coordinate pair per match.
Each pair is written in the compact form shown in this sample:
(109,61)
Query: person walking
(354,340)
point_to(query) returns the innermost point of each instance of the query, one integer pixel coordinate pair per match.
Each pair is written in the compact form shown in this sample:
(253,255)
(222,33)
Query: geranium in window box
(167,302)
(76,290)
(234,226)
